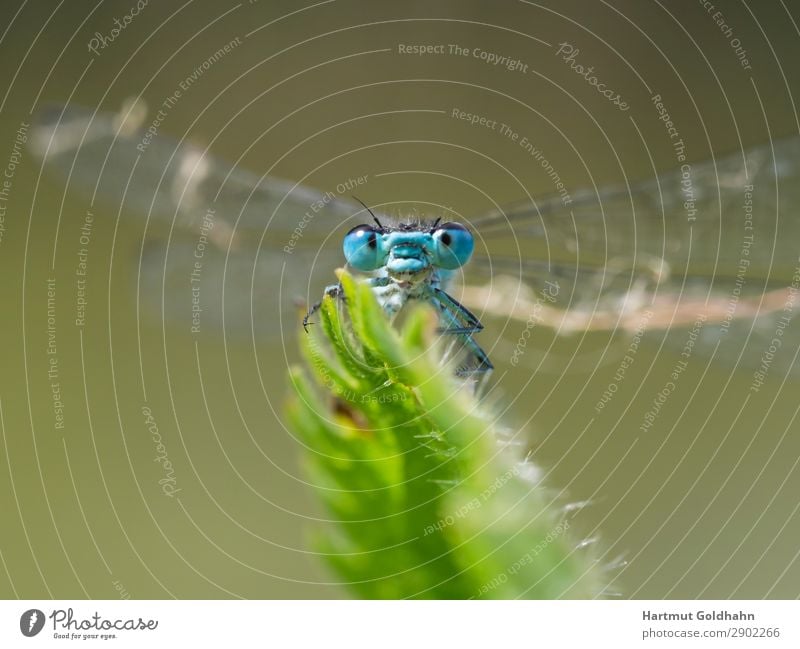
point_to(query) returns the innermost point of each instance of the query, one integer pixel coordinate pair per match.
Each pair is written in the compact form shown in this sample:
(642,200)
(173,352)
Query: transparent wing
(108,155)
(238,226)
(693,218)
(252,292)
(718,238)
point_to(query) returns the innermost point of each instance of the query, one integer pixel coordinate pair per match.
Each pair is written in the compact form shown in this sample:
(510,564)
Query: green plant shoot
(428,501)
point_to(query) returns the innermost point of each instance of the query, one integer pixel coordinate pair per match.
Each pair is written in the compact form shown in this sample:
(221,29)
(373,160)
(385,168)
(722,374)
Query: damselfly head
(408,248)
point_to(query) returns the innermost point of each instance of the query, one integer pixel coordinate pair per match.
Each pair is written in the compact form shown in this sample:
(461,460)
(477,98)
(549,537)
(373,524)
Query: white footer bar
(404,625)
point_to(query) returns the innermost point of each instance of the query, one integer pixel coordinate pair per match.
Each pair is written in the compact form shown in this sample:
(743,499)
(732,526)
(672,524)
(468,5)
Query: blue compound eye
(363,249)
(453,245)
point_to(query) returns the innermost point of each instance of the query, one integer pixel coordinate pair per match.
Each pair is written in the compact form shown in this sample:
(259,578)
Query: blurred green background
(703,505)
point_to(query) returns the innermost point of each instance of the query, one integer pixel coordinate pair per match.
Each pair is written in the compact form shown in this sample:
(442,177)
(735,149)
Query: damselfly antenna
(375,218)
